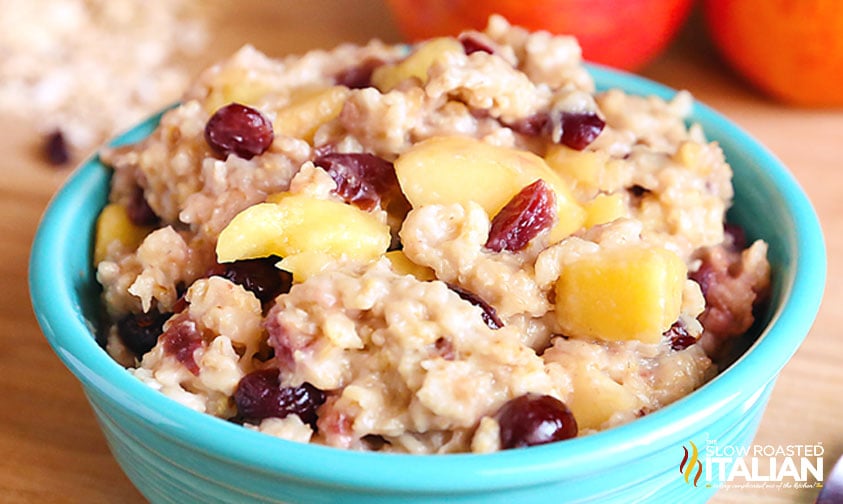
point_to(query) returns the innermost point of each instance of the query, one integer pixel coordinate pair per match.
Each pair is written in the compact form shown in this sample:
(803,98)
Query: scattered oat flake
(90,68)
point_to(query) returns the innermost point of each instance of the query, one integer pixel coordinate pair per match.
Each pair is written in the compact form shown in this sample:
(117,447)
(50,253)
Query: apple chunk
(629,293)
(455,169)
(402,265)
(114,224)
(604,208)
(416,64)
(596,397)
(582,167)
(309,109)
(234,84)
(298,224)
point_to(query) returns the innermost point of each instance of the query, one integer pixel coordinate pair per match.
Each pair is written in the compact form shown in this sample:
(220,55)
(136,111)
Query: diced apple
(309,109)
(277,197)
(416,64)
(455,169)
(114,224)
(233,85)
(581,168)
(298,224)
(596,397)
(604,208)
(696,157)
(627,293)
(306,264)
(402,265)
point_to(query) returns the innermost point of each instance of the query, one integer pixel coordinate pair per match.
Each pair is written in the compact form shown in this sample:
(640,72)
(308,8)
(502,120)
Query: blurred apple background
(618,33)
(79,70)
(791,50)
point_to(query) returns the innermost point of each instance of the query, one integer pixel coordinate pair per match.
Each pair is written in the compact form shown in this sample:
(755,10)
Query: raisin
(140,213)
(374,442)
(55,148)
(358,76)
(140,331)
(362,179)
(259,395)
(260,276)
(490,316)
(527,214)
(638,191)
(240,130)
(534,125)
(579,129)
(533,419)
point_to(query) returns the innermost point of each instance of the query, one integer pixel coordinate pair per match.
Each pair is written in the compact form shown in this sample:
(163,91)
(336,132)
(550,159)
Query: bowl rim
(56,307)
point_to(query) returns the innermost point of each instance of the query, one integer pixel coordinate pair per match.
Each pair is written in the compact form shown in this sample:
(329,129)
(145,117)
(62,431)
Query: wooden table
(50,447)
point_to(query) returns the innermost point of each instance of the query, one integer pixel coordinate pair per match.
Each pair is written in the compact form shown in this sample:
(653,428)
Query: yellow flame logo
(690,463)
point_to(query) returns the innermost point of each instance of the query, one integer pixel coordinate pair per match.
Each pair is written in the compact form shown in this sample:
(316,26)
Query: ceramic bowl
(176,455)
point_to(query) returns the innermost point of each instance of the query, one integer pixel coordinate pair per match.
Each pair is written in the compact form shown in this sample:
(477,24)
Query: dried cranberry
(181,339)
(579,129)
(533,419)
(362,179)
(358,76)
(140,331)
(735,236)
(324,149)
(181,304)
(679,337)
(238,129)
(732,294)
(706,276)
(534,125)
(444,348)
(490,316)
(472,44)
(282,341)
(140,213)
(374,442)
(260,276)
(527,214)
(55,148)
(259,395)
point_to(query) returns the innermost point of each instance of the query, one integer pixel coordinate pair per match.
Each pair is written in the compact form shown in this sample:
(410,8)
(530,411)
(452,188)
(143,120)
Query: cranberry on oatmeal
(459,246)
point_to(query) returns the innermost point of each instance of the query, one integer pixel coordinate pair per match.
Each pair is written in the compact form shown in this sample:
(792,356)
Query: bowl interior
(769,204)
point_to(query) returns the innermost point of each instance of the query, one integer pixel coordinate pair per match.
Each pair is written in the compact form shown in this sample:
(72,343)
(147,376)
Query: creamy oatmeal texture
(405,246)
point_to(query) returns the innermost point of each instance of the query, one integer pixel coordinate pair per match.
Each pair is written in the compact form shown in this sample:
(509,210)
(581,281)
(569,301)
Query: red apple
(790,49)
(621,33)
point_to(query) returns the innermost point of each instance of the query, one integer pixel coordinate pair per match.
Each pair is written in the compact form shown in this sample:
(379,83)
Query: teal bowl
(176,455)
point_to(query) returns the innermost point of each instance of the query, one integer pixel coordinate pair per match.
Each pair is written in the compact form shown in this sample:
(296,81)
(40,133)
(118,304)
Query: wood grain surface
(51,450)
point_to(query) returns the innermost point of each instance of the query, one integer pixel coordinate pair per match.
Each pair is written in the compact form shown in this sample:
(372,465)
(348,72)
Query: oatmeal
(455,246)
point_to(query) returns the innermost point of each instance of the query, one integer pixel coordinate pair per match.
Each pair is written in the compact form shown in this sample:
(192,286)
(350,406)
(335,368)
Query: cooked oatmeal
(455,246)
